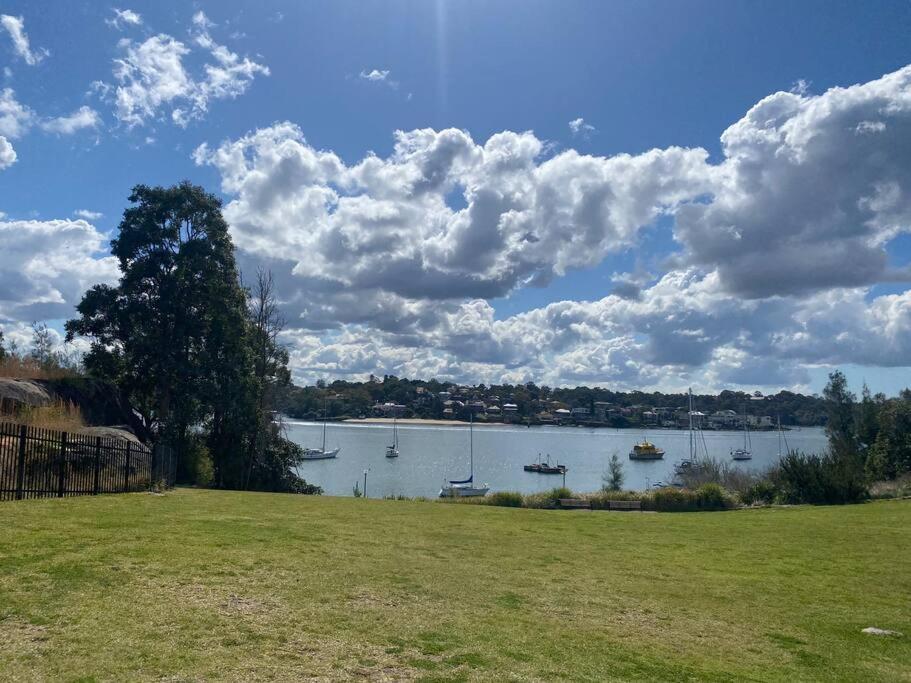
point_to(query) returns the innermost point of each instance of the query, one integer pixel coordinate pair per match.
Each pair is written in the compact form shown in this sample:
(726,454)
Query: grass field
(206,585)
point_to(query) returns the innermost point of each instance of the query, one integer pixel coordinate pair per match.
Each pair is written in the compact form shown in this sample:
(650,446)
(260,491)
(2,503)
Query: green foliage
(890,455)
(820,479)
(712,497)
(613,478)
(506,499)
(763,492)
(548,499)
(196,464)
(190,347)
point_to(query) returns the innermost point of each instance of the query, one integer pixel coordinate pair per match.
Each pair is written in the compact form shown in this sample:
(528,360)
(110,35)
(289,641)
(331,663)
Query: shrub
(820,479)
(548,499)
(600,500)
(763,491)
(712,497)
(196,466)
(673,500)
(506,499)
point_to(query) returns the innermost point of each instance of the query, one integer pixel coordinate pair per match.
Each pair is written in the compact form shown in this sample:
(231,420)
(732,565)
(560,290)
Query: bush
(548,499)
(763,492)
(506,499)
(196,466)
(600,500)
(672,500)
(820,479)
(712,497)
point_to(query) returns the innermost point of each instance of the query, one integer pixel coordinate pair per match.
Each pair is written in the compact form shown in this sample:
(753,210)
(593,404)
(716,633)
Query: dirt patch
(21,637)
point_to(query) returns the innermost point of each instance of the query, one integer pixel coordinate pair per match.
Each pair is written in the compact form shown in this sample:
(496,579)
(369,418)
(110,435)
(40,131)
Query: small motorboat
(544,467)
(646,450)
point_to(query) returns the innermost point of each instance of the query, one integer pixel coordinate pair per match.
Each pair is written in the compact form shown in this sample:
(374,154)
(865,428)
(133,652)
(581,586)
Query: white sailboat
(743,453)
(321,453)
(690,463)
(782,437)
(393,450)
(465,488)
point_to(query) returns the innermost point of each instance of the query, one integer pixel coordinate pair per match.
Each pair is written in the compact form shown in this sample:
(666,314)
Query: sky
(649,195)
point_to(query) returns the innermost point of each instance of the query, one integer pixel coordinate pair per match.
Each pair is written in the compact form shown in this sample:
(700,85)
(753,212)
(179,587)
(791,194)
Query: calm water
(431,454)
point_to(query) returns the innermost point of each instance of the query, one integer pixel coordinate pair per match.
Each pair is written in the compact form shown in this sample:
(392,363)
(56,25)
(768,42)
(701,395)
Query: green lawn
(203,585)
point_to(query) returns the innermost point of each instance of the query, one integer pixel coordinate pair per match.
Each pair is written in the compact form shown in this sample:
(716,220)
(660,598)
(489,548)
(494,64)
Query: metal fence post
(126,470)
(20,465)
(97,473)
(61,484)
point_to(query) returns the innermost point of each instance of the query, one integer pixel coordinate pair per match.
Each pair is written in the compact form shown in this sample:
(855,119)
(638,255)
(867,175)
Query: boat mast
(691,423)
(325,417)
(471,446)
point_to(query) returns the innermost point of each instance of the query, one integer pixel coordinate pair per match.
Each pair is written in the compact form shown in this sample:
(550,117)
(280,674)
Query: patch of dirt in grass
(367,599)
(21,637)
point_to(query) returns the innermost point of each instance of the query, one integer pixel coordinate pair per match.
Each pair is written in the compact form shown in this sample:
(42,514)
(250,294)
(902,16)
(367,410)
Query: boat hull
(319,454)
(461,491)
(646,456)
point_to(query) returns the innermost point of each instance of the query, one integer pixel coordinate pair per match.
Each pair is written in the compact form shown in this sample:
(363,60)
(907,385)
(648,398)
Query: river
(430,454)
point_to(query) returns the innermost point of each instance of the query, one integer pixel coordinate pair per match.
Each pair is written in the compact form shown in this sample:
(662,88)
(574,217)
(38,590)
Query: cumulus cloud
(389,262)
(7,155)
(15,27)
(45,267)
(810,192)
(84,117)
(15,118)
(124,17)
(153,80)
(384,227)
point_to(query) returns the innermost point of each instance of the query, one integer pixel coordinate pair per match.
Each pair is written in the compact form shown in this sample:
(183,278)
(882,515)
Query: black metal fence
(39,463)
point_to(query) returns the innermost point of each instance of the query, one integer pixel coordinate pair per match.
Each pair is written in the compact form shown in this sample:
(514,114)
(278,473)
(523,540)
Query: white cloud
(152,77)
(15,118)
(125,17)
(84,117)
(7,156)
(15,26)
(385,225)
(45,267)
(88,215)
(375,75)
(580,128)
(804,202)
(380,76)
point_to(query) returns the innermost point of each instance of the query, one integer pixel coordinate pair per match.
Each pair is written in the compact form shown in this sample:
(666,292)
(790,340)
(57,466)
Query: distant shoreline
(464,423)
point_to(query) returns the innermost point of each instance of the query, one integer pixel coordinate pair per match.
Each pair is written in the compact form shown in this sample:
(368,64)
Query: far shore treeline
(422,399)
(192,351)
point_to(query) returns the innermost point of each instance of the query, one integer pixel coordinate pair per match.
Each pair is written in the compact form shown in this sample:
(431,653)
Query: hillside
(240,586)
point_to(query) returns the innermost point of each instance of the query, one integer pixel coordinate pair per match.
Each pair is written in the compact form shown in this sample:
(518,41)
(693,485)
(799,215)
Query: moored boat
(646,450)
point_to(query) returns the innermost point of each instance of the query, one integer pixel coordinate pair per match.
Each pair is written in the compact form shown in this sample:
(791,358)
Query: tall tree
(172,332)
(840,427)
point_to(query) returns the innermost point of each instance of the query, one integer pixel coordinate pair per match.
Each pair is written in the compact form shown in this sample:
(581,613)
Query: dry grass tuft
(64,416)
(16,367)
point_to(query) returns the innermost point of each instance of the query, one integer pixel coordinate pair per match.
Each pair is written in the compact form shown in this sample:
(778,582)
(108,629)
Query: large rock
(18,392)
(111,433)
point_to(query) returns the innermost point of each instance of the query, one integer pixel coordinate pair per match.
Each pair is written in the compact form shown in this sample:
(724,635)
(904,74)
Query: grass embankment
(214,585)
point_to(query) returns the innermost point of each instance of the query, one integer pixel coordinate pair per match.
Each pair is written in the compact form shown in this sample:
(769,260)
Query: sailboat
(321,453)
(465,488)
(743,453)
(689,464)
(781,437)
(393,450)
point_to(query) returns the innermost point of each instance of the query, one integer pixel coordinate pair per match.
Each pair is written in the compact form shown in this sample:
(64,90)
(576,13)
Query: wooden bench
(575,504)
(624,505)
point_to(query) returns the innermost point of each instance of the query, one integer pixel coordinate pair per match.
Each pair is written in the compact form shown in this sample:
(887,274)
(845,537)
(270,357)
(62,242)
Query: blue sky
(642,76)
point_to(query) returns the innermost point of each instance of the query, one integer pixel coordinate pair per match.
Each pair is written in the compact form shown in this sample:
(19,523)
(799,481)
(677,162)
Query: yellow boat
(646,450)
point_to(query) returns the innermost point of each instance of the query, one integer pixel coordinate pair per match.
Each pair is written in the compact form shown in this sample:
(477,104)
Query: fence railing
(39,463)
